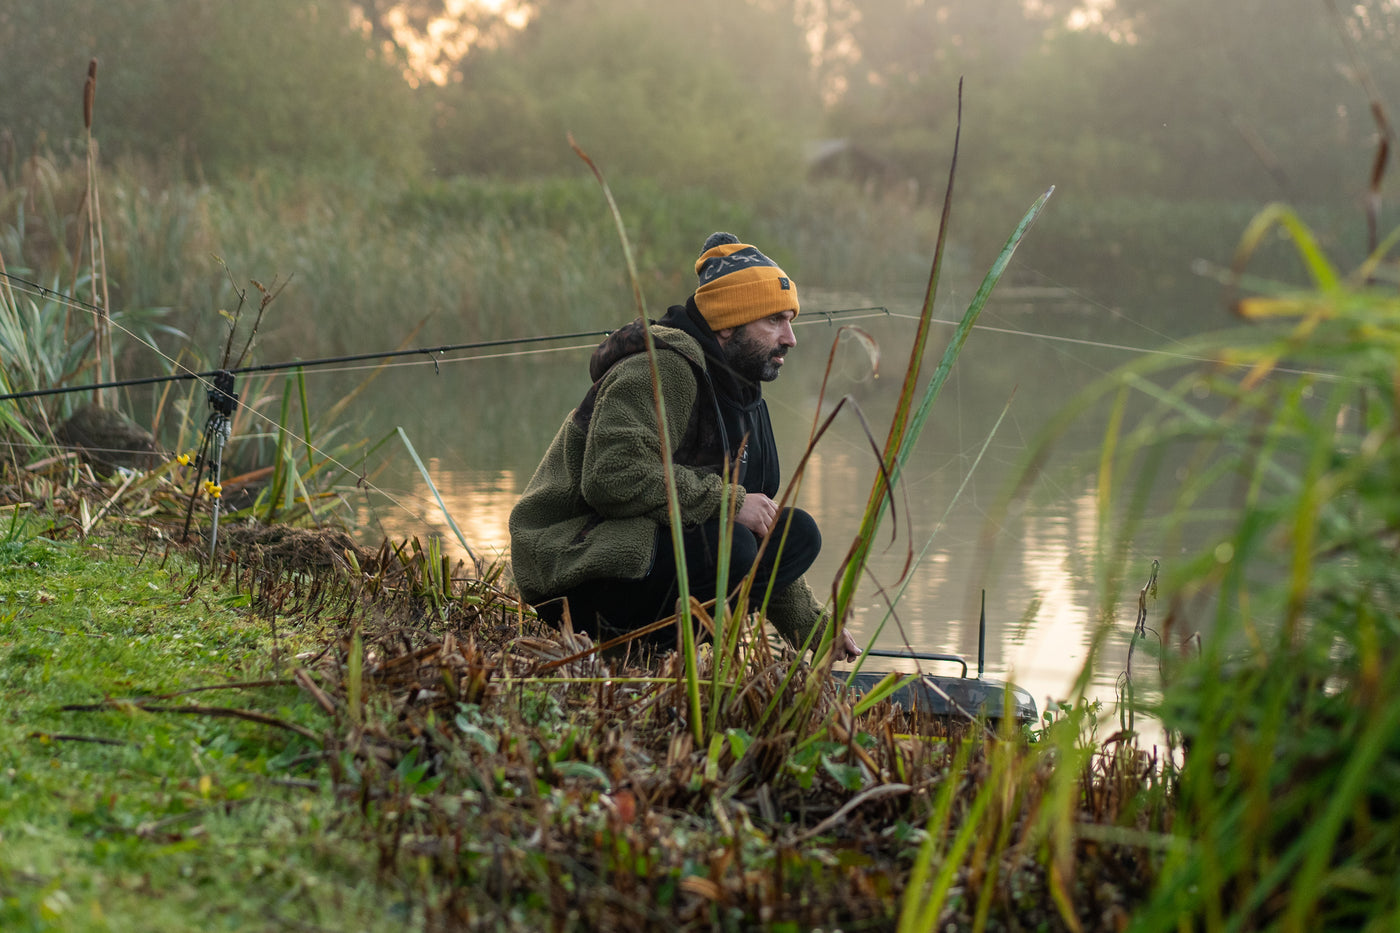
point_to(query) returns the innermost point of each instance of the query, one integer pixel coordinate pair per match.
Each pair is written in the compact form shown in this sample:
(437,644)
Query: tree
(687,94)
(435,35)
(891,69)
(206,82)
(1255,99)
(298,83)
(1250,100)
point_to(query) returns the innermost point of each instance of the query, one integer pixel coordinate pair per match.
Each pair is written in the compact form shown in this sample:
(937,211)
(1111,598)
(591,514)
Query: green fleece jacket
(593,506)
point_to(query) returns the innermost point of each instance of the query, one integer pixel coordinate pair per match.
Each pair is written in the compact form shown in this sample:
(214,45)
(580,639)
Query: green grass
(177,823)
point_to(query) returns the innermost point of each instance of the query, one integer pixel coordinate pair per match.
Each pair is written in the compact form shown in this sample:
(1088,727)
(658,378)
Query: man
(592,531)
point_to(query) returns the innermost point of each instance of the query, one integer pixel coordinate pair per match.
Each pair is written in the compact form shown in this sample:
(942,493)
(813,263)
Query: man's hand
(758,513)
(845,648)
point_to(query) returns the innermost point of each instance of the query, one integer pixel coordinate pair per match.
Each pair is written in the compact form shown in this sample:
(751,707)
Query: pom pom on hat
(739,284)
(718,239)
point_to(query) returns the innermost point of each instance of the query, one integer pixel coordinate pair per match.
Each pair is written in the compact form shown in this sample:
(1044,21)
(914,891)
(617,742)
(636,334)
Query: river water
(481,424)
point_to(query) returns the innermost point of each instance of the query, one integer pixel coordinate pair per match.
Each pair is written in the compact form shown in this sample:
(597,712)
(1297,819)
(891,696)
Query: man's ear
(724,334)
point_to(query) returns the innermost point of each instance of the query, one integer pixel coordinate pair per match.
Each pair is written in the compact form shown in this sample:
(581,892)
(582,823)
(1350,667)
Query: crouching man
(592,529)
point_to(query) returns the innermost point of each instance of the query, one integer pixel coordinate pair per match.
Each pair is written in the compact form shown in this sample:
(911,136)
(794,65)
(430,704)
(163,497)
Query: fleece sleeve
(623,475)
(796,614)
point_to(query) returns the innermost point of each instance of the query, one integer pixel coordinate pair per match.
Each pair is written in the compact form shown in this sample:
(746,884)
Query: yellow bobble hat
(738,284)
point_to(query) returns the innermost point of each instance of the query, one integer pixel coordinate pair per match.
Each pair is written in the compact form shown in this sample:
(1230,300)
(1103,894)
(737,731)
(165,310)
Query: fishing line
(209,378)
(1095,303)
(456,359)
(1052,338)
(434,354)
(824,318)
(1102,345)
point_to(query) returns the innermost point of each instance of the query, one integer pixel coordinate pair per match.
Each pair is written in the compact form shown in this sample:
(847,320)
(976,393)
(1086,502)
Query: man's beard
(751,359)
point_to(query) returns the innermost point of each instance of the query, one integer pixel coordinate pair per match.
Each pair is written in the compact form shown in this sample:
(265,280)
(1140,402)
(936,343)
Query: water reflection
(1040,607)
(479,503)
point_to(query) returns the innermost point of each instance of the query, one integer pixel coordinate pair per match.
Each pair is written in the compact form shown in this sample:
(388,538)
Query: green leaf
(848,776)
(739,741)
(474,733)
(584,770)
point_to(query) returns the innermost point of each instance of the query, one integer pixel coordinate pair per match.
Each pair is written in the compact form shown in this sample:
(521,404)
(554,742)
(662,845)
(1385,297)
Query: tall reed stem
(673,505)
(101,324)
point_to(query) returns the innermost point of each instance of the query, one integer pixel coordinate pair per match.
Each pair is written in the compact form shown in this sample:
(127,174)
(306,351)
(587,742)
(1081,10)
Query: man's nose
(786,337)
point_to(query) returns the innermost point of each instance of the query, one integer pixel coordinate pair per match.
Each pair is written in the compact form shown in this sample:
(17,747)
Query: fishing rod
(432,352)
(297,364)
(223,401)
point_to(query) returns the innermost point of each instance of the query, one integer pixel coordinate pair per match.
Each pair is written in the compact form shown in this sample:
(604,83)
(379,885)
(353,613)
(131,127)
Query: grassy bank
(126,807)
(281,743)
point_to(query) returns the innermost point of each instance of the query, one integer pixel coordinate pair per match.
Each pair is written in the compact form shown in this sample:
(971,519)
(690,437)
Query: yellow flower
(183,459)
(213,489)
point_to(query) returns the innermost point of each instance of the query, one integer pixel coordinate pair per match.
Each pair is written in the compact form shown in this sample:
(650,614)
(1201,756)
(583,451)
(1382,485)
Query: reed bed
(374,257)
(511,776)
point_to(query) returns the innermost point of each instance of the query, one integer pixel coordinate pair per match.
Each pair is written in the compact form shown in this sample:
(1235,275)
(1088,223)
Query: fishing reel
(223,401)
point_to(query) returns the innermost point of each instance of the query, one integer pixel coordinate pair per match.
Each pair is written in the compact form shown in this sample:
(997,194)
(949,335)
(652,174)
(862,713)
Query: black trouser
(610,607)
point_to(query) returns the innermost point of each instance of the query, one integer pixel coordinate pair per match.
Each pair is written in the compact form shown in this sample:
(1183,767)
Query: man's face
(756,350)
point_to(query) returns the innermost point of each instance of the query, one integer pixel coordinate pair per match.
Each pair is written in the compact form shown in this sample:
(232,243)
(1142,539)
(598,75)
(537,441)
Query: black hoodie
(743,412)
(729,409)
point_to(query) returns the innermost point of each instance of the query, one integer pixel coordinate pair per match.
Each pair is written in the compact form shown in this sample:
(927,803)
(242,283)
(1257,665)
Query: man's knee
(803,538)
(743,549)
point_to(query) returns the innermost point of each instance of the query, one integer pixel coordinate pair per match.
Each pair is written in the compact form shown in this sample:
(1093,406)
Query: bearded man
(592,529)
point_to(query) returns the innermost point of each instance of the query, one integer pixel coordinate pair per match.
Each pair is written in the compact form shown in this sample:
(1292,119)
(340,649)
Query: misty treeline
(1252,99)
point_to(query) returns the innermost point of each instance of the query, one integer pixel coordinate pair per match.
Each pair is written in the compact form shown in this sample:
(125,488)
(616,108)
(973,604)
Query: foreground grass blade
(461,539)
(855,562)
(673,505)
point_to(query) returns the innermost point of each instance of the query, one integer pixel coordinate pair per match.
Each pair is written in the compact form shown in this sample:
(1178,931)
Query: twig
(874,793)
(101,325)
(107,506)
(239,685)
(1140,631)
(242,294)
(304,681)
(95,739)
(220,711)
(267,299)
